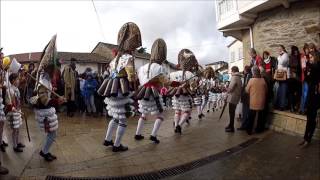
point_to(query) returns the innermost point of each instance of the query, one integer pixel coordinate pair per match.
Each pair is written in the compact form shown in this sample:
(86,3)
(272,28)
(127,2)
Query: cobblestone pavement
(80,151)
(275,157)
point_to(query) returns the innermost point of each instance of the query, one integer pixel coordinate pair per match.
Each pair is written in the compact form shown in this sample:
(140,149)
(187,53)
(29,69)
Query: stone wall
(292,124)
(293,26)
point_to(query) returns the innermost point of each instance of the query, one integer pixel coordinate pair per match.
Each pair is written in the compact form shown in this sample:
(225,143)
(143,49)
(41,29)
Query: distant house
(105,50)
(236,55)
(84,60)
(100,56)
(217,65)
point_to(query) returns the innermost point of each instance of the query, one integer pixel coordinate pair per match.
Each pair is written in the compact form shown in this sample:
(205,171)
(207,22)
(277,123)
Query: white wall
(236,56)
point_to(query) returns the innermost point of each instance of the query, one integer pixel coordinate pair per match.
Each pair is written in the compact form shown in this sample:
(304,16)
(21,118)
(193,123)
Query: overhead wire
(99,21)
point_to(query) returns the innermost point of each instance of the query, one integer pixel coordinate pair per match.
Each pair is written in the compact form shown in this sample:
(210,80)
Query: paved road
(275,157)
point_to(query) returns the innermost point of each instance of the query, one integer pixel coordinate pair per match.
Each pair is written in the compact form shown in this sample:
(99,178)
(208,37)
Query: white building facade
(236,55)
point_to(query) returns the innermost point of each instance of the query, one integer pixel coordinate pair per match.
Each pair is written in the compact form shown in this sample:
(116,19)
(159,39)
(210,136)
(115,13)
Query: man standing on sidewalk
(70,78)
(234,94)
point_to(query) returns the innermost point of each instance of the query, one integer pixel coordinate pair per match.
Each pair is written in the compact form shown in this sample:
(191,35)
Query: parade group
(191,86)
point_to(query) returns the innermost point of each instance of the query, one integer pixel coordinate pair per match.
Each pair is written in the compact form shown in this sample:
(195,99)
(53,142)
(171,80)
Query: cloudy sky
(26,26)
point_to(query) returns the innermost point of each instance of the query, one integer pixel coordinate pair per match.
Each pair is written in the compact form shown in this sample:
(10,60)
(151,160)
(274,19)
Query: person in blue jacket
(90,86)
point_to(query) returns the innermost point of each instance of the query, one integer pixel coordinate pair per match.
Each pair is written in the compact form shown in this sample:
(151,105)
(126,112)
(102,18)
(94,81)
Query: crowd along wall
(296,25)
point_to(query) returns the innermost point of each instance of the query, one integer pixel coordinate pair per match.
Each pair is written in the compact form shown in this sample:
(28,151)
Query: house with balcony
(264,24)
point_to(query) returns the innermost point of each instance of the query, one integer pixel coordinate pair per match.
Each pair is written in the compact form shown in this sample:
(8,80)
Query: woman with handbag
(281,76)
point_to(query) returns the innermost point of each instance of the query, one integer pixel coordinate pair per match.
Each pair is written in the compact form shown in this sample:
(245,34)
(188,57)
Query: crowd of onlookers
(286,81)
(290,81)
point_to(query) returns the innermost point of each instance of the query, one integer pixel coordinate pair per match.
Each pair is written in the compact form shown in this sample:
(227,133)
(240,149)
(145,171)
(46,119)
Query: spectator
(268,96)
(99,101)
(269,64)
(293,80)
(255,58)
(23,84)
(81,102)
(312,77)
(234,94)
(257,90)
(90,86)
(106,72)
(245,98)
(30,82)
(69,78)
(304,93)
(281,77)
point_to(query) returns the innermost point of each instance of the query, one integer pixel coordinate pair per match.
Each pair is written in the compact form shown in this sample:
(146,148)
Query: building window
(232,56)
(240,53)
(225,6)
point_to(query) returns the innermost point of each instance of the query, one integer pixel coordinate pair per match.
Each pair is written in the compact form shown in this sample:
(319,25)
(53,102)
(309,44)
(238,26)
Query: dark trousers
(232,112)
(260,122)
(311,125)
(313,105)
(245,115)
(70,106)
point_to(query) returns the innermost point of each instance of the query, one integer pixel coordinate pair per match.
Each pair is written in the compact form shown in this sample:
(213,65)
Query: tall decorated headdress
(158,53)
(48,56)
(129,38)
(208,73)
(187,61)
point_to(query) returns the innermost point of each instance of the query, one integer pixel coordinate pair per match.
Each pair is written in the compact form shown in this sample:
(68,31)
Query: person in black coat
(312,76)
(247,75)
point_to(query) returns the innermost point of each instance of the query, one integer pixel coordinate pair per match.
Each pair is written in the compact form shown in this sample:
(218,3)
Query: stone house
(265,24)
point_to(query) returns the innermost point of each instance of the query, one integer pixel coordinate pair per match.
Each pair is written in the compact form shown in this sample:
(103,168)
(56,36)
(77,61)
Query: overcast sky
(26,26)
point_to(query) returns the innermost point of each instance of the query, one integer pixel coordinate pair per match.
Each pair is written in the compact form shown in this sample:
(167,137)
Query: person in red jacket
(255,58)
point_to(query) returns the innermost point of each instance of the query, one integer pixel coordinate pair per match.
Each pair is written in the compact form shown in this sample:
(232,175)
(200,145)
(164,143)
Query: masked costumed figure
(202,91)
(13,108)
(180,87)
(44,101)
(152,77)
(117,89)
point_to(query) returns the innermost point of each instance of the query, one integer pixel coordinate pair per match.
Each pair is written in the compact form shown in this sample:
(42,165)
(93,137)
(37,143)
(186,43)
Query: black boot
(17,149)
(108,143)
(4,144)
(52,156)
(178,129)
(20,145)
(230,130)
(138,137)
(3,170)
(119,148)
(47,156)
(154,139)
(2,148)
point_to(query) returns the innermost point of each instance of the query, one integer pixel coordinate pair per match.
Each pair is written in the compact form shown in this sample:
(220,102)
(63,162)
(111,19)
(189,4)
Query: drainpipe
(251,37)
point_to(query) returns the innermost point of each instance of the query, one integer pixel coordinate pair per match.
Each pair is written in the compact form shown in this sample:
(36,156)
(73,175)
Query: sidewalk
(81,154)
(275,157)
